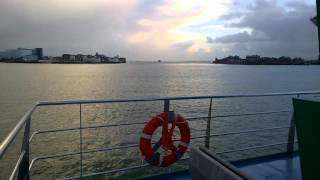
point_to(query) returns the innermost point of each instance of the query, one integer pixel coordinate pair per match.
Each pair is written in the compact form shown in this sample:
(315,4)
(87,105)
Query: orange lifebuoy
(150,153)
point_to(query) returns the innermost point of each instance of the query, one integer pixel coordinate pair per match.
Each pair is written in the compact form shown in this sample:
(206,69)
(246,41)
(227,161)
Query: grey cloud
(209,40)
(277,23)
(231,15)
(36,24)
(241,37)
(276,30)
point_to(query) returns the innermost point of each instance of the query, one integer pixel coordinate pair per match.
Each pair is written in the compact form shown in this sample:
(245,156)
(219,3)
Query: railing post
(166,105)
(80,124)
(291,134)
(23,173)
(207,139)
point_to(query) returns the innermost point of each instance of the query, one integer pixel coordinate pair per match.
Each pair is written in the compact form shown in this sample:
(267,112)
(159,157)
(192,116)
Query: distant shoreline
(42,62)
(310,62)
(305,64)
(288,64)
(151,62)
(257,60)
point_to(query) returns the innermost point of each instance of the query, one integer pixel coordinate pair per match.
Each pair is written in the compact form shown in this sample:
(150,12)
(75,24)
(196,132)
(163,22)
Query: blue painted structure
(275,167)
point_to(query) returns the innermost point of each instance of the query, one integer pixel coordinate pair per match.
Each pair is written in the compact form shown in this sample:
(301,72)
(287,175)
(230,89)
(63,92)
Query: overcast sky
(178,30)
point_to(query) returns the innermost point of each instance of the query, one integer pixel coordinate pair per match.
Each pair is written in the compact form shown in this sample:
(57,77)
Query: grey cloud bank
(276,30)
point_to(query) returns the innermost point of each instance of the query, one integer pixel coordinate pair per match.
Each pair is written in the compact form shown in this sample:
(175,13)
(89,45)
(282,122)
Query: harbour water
(24,84)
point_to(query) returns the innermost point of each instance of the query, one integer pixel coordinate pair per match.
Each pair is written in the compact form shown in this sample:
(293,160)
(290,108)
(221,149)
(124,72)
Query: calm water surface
(24,84)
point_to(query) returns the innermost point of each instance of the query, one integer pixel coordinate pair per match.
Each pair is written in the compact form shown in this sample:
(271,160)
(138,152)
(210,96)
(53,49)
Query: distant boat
(159,61)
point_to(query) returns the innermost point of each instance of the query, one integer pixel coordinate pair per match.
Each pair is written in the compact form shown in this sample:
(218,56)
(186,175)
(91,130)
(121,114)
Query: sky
(170,30)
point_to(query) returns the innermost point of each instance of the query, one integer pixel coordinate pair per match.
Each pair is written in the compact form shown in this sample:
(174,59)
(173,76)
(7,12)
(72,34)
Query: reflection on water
(23,84)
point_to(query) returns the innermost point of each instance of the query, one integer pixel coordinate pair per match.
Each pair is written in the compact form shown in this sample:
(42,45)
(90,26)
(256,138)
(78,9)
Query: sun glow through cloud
(164,27)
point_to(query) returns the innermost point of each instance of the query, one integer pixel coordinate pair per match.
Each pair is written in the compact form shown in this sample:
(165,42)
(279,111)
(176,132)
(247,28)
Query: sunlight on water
(24,84)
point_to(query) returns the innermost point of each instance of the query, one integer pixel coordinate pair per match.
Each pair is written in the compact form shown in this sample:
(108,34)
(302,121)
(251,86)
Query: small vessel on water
(202,161)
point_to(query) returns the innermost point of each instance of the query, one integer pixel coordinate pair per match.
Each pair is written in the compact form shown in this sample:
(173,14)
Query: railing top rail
(97,101)
(14,132)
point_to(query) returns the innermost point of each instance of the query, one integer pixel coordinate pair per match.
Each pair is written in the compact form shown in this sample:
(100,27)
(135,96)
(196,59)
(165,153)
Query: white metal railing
(24,165)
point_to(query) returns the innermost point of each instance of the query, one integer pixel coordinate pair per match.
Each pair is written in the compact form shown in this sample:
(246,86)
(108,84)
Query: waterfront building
(253,58)
(91,59)
(257,60)
(122,60)
(297,61)
(22,54)
(80,58)
(229,60)
(68,57)
(114,59)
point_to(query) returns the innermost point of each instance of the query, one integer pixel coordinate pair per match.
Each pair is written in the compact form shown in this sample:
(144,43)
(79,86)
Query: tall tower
(39,53)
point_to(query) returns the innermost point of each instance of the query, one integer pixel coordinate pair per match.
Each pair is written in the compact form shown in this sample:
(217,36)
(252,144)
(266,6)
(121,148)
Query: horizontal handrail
(251,114)
(70,102)
(136,145)
(140,123)
(94,127)
(256,147)
(242,132)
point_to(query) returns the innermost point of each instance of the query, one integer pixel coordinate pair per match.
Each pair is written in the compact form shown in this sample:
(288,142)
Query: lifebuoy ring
(150,153)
